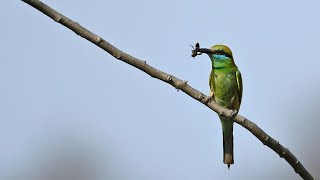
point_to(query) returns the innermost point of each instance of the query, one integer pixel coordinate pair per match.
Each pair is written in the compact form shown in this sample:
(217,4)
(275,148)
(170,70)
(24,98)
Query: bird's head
(221,55)
(221,50)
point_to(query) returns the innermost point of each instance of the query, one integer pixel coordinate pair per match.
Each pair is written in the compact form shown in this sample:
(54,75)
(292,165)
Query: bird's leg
(209,98)
(233,114)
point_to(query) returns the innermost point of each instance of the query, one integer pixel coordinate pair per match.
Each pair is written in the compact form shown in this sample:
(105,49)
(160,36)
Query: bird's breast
(224,87)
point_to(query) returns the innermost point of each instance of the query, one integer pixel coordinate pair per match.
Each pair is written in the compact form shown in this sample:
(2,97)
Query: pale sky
(66,103)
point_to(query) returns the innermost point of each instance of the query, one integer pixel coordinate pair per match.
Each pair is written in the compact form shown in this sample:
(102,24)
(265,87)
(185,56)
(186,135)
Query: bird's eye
(220,51)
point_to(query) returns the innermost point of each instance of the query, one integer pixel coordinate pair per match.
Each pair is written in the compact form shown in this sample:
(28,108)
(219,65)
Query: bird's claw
(209,99)
(233,114)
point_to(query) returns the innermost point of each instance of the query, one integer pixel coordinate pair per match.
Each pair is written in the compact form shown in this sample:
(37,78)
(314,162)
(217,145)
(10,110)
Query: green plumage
(226,89)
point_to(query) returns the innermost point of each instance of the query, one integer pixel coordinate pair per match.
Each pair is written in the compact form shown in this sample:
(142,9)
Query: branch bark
(175,82)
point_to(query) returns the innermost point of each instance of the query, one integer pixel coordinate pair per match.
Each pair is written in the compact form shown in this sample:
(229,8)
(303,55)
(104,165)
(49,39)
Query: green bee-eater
(225,89)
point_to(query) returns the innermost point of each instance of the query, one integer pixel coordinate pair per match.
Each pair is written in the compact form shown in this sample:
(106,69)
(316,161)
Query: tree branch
(175,82)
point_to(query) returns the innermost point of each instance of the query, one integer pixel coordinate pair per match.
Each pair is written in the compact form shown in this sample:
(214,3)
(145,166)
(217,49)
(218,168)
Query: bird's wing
(239,83)
(211,84)
(210,78)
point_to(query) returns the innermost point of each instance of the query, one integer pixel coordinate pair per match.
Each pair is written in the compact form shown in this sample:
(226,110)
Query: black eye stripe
(222,53)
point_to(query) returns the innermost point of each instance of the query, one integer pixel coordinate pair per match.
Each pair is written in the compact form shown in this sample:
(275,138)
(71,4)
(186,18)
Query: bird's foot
(233,114)
(209,99)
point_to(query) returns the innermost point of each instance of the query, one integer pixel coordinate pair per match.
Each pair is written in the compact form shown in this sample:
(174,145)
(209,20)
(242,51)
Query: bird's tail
(228,148)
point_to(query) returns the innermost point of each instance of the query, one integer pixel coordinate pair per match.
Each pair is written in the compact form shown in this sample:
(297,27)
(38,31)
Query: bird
(225,84)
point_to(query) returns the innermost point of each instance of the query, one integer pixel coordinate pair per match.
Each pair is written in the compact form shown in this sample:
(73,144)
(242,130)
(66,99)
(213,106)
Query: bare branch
(175,82)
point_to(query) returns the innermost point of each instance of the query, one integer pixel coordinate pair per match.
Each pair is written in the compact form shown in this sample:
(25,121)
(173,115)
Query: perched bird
(225,89)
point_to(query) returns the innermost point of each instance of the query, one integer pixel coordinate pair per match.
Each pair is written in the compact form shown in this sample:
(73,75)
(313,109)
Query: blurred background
(69,110)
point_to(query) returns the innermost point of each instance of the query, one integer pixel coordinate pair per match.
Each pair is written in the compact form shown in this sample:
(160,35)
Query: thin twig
(175,82)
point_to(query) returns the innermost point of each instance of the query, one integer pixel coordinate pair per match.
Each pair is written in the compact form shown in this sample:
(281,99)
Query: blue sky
(64,100)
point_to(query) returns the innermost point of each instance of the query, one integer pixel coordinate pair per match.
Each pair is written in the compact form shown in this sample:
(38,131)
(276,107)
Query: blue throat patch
(220,57)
